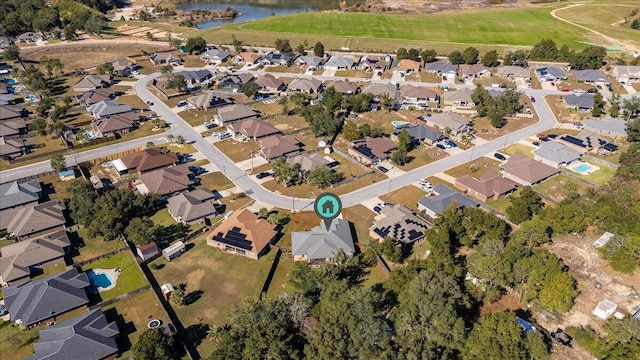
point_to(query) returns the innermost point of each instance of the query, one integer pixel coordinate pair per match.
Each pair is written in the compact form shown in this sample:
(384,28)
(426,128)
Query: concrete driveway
(256,161)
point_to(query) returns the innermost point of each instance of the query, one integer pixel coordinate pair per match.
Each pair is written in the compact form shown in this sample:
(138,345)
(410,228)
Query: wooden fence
(92,142)
(103,256)
(121,297)
(568,174)
(600,161)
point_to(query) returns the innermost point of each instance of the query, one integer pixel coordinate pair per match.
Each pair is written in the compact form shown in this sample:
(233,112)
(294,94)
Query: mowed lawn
(129,279)
(495,26)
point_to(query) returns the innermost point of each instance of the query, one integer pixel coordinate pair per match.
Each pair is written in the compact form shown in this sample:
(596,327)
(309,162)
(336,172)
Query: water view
(250,9)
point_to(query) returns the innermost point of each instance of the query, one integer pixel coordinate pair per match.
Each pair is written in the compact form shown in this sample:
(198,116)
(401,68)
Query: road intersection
(249,185)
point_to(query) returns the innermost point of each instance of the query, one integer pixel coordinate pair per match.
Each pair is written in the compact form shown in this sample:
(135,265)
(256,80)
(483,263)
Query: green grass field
(130,278)
(519,27)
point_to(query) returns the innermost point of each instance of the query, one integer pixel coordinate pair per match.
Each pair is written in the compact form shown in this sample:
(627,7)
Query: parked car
(450,143)
(499,156)
(182,103)
(263,175)
(592,90)
(224,135)
(383,169)
(533,99)
(149,103)
(441,147)
(535,143)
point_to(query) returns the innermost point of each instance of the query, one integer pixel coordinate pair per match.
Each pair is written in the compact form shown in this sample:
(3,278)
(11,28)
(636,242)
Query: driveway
(251,163)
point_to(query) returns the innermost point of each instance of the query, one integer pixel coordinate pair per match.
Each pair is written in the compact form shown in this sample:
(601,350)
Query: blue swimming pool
(583,168)
(399,124)
(11,81)
(30,97)
(99,280)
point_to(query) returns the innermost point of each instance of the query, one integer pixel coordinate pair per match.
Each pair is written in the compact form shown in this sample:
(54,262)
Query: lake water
(250,9)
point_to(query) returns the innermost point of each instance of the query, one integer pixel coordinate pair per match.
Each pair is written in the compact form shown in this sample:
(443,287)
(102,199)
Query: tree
(558,292)
(399,157)
(482,100)
(496,117)
(180,140)
(154,345)
(404,140)
(170,137)
(523,207)
(166,69)
(470,55)
(544,50)
(178,296)
(139,231)
(534,232)
(149,36)
(95,24)
(38,125)
(282,171)
(633,130)
(630,106)
(105,68)
(81,197)
(598,104)
(635,24)
(456,57)
(387,102)
(359,102)
(196,44)
(150,145)
(237,44)
(58,163)
(175,81)
(283,45)
(11,52)
(175,42)
(502,331)
(318,49)
(263,212)
(490,59)
(331,100)
(250,89)
(300,49)
(350,131)
(69,33)
(322,176)
(428,55)
(614,109)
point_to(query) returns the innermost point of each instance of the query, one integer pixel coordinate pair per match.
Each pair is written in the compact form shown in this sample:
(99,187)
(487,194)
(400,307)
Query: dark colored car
(263,175)
(535,143)
(441,147)
(149,103)
(533,99)
(383,169)
(499,156)
(377,209)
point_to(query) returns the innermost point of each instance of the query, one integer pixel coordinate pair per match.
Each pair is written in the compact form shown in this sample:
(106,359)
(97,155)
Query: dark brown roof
(488,184)
(167,180)
(528,169)
(149,159)
(259,232)
(97,95)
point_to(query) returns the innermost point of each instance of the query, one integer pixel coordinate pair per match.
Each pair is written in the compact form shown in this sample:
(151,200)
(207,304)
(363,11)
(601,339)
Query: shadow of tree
(197,333)
(164,235)
(192,297)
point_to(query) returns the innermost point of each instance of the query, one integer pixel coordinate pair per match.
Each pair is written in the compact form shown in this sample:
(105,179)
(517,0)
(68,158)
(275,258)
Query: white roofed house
(607,126)
(418,97)
(627,74)
(474,71)
(215,56)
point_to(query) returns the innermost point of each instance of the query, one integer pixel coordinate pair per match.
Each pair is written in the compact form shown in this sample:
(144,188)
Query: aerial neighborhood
(162,165)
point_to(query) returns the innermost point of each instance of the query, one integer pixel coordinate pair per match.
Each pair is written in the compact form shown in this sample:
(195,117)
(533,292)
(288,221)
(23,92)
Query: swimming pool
(30,97)
(99,280)
(583,168)
(11,81)
(399,124)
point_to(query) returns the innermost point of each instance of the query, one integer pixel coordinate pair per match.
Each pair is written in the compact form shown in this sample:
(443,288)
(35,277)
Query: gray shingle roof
(19,192)
(557,152)
(107,107)
(235,113)
(446,196)
(591,76)
(195,75)
(580,101)
(441,67)
(193,205)
(88,336)
(40,300)
(322,243)
(615,127)
(33,218)
(339,62)
(419,132)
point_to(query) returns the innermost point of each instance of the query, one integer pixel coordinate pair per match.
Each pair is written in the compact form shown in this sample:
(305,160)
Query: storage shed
(147,251)
(605,309)
(174,251)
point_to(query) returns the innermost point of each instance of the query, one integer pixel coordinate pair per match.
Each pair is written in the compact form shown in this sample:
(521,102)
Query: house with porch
(165,59)
(458,99)
(308,62)
(193,206)
(418,97)
(449,122)
(91,97)
(215,56)
(490,186)
(592,77)
(443,69)
(270,84)
(340,63)
(321,244)
(607,126)
(551,74)
(107,108)
(148,160)
(474,71)
(627,74)
(275,146)
(233,82)
(251,129)
(115,125)
(243,233)
(526,171)
(581,102)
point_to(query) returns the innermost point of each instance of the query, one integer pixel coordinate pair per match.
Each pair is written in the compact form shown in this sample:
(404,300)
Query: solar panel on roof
(610,147)
(365,150)
(235,238)
(573,140)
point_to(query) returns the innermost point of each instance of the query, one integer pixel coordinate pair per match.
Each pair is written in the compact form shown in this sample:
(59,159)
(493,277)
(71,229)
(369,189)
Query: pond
(254,10)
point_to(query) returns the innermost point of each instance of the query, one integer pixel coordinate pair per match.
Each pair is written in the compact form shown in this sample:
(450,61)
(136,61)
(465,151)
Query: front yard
(238,150)
(407,196)
(483,165)
(518,148)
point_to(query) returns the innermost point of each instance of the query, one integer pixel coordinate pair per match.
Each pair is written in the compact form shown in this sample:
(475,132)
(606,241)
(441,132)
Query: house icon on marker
(327,207)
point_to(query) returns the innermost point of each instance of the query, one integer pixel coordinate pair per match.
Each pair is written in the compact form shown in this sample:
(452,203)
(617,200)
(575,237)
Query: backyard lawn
(163,218)
(300,221)
(288,123)
(599,177)
(557,187)
(132,316)
(93,246)
(216,281)
(16,342)
(129,279)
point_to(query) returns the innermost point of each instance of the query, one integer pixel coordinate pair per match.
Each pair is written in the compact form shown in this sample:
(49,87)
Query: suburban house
(19,260)
(514,73)
(165,59)
(308,62)
(526,171)
(612,127)
(551,74)
(591,77)
(165,181)
(96,95)
(92,82)
(214,56)
(490,186)
(343,87)
(114,125)
(193,77)
(193,206)
(268,83)
(13,128)
(444,197)
(274,146)
(29,36)
(409,66)
(449,122)
(174,250)
(460,98)
(320,244)
(580,102)
(233,113)
(243,233)
(419,133)
(442,69)
(374,63)
(210,100)
(627,74)
(11,112)
(379,90)
(555,154)
(308,162)
(309,86)
(34,219)
(252,129)
(583,142)
(474,71)
(19,192)
(7,99)
(278,59)
(233,82)
(106,108)
(148,251)
(123,68)
(14,147)
(419,97)
(149,159)
(370,150)
(339,63)
(44,300)
(86,336)
(246,57)
(399,223)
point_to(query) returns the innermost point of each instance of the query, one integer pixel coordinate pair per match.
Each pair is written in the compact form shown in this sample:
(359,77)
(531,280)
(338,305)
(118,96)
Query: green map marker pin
(327,206)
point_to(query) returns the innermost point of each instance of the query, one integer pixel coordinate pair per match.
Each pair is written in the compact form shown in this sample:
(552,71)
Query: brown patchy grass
(285,69)
(407,196)
(237,151)
(556,187)
(483,163)
(270,109)
(300,221)
(518,148)
(215,181)
(423,155)
(362,219)
(512,125)
(354,73)
(195,117)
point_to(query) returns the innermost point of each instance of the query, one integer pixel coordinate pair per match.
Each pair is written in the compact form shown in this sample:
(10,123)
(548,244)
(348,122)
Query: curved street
(256,191)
